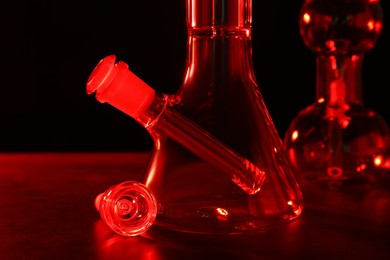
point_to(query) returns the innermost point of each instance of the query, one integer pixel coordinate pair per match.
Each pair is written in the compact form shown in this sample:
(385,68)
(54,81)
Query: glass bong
(220,95)
(338,140)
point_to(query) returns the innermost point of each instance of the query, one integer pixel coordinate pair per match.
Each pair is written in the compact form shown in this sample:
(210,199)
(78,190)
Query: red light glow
(378,27)
(306,18)
(355,58)
(222,212)
(361,167)
(344,123)
(332,58)
(294,135)
(331,45)
(335,171)
(386,164)
(112,246)
(370,25)
(378,160)
(337,91)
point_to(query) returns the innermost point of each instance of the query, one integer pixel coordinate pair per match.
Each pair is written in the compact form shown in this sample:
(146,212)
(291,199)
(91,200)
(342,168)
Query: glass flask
(220,94)
(337,139)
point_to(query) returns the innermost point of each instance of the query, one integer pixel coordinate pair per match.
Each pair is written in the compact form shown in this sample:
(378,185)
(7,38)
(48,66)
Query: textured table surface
(47,212)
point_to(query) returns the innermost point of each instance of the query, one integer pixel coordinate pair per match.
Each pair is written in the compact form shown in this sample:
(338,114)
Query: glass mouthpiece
(116,84)
(128,208)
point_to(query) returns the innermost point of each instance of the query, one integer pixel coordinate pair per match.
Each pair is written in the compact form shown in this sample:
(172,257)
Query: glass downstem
(115,84)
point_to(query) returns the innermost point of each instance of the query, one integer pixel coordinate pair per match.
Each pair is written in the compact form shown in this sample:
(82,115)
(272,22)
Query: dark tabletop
(47,212)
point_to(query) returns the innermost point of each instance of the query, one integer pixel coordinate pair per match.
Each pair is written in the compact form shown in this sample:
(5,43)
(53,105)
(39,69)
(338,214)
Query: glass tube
(118,86)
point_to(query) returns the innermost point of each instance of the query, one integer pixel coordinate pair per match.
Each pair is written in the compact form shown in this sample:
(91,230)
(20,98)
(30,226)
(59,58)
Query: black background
(50,47)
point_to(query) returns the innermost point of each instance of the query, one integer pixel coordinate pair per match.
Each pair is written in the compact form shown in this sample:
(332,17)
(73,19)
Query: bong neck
(339,79)
(219,16)
(219,37)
